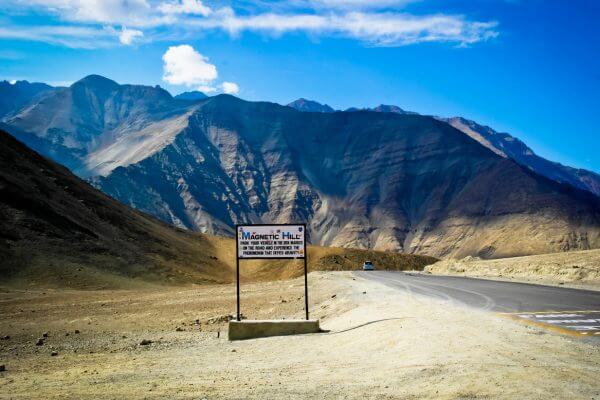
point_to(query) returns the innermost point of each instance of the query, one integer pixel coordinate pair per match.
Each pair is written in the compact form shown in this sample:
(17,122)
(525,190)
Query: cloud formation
(374,22)
(185,66)
(127,36)
(230,88)
(185,7)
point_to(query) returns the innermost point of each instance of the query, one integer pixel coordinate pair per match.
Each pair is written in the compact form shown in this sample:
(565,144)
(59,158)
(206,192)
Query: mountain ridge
(385,180)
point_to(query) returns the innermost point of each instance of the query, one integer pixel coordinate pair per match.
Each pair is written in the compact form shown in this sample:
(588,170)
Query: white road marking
(571,321)
(584,327)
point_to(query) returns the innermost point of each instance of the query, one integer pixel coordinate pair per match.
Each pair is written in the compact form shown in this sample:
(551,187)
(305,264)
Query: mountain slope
(57,230)
(191,96)
(508,146)
(384,180)
(88,115)
(15,95)
(360,179)
(310,106)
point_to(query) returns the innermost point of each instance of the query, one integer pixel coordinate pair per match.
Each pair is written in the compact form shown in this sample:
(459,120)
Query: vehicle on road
(368,266)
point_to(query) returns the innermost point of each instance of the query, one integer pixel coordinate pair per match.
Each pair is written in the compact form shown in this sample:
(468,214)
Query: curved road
(563,308)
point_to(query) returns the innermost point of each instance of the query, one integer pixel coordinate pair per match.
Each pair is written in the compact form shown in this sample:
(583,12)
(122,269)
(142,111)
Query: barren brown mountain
(57,230)
(360,179)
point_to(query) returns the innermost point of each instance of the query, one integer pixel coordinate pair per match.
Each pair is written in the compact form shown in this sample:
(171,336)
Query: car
(368,266)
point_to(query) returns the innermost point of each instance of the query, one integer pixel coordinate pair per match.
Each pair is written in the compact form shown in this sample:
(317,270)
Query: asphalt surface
(487,294)
(564,309)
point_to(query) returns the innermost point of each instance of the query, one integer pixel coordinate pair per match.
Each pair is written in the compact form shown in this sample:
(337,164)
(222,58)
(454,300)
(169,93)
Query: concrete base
(240,330)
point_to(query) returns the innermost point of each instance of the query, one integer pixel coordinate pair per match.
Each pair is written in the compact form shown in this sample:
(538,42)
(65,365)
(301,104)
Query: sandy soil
(383,344)
(579,269)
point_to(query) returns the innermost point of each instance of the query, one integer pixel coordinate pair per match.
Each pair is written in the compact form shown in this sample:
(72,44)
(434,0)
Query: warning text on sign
(271,241)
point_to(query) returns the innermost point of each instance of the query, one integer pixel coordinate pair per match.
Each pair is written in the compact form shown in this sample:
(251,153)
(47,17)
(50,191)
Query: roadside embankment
(579,269)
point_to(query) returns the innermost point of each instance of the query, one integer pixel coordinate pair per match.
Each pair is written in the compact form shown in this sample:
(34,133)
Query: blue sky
(527,67)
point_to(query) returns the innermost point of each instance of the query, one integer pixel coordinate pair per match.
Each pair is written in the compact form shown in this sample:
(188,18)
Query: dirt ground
(382,344)
(578,269)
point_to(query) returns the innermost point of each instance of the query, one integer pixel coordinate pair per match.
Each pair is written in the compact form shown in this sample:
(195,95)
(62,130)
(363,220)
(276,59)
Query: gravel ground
(382,344)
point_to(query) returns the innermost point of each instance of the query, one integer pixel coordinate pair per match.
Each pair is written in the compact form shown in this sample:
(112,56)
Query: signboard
(271,241)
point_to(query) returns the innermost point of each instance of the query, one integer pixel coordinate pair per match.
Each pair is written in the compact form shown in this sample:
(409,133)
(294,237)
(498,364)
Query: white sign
(271,241)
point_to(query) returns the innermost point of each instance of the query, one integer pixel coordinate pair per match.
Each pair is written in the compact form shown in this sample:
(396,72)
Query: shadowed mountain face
(508,146)
(15,95)
(57,230)
(359,179)
(71,123)
(310,106)
(191,96)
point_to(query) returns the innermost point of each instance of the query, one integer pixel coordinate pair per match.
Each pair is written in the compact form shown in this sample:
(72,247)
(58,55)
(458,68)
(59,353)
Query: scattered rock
(45,334)
(6,337)
(283,301)
(220,319)
(334,296)
(67,334)
(179,329)
(2,367)
(123,337)
(145,342)
(364,292)
(54,353)
(77,331)
(234,351)
(40,342)
(197,322)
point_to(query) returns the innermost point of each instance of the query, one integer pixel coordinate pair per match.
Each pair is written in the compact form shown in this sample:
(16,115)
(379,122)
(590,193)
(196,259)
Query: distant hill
(511,147)
(310,106)
(379,180)
(506,145)
(71,123)
(13,96)
(191,96)
(58,231)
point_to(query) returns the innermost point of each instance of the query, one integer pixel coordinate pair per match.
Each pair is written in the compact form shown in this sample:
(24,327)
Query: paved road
(568,309)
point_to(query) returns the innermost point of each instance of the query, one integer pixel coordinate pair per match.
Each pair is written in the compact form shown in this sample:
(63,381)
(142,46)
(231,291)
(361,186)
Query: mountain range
(383,178)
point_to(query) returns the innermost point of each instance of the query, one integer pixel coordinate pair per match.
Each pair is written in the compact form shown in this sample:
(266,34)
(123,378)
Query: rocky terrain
(14,95)
(58,231)
(580,269)
(382,344)
(500,143)
(362,179)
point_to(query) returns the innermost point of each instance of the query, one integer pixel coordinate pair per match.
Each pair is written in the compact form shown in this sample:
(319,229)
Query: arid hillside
(56,230)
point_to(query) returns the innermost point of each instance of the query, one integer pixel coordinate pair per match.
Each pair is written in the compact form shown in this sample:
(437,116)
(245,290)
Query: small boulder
(6,337)
(45,334)
(54,353)
(77,331)
(145,342)
(2,367)
(334,296)
(40,342)
(179,329)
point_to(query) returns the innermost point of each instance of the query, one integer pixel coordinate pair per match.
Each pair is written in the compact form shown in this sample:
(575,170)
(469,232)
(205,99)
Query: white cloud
(383,28)
(127,36)
(230,88)
(206,89)
(185,66)
(375,22)
(12,81)
(127,12)
(82,37)
(185,7)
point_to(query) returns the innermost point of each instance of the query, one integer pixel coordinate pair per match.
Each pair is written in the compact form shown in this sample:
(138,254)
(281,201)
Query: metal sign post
(275,241)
